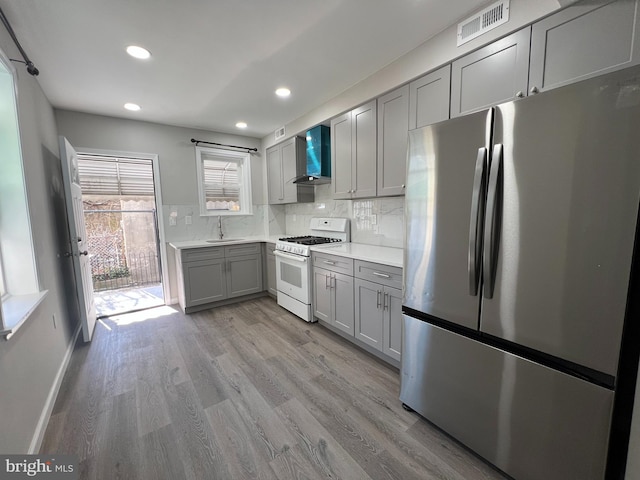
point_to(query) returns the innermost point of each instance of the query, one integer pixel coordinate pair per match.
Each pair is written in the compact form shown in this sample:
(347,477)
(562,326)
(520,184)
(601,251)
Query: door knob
(534,90)
(520,94)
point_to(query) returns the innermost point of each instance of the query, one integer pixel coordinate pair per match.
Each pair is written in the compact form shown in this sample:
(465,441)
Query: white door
(78,233)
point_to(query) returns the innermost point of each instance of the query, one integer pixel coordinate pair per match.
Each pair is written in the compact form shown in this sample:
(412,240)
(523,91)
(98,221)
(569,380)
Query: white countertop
(229,241)
(360,251)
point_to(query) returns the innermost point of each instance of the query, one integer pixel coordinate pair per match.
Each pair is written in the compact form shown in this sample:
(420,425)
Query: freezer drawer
(532,422)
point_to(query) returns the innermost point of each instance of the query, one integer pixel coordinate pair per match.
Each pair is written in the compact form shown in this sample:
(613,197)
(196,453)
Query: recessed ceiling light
(138,52)
(283,92)
(241,125)
(132,106)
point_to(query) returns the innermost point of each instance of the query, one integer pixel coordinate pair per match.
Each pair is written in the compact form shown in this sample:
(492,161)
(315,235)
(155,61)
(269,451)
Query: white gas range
(293,263)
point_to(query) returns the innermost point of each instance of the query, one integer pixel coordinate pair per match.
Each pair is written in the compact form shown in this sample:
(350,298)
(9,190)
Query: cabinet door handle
(385,306)
(328,262)
(534,90)
(383,275)
(520,94)
(378,299)
(326,282)
(332,282)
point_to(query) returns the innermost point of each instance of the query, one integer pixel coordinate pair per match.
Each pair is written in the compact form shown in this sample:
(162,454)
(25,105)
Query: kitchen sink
(218,240)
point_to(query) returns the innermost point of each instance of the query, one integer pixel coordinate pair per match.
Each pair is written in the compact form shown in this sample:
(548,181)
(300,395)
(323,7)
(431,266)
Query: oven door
(293,276)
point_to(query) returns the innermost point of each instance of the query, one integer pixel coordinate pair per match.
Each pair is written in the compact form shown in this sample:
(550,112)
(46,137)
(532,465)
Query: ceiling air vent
(280,133)
(487,19)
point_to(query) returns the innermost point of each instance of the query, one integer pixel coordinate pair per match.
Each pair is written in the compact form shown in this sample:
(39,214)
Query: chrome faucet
(221,235)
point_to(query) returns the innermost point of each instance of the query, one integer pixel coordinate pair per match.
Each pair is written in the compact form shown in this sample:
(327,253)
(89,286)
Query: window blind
(115,176)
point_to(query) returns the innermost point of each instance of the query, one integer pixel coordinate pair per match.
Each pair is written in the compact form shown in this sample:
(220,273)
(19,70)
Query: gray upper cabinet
(393,128)
(341,156)
(274,175)
(491,75)
(353,153)
(283,162)
(429,98)
(364,157)
(582,41)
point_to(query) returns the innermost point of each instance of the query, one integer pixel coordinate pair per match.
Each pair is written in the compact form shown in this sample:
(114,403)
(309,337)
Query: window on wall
(19,287)
(224,181)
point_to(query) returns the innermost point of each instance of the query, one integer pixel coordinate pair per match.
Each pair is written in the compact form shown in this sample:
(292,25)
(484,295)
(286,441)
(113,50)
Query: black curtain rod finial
(31,68)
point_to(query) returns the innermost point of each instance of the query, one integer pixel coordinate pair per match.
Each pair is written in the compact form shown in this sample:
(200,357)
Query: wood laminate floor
(247,391)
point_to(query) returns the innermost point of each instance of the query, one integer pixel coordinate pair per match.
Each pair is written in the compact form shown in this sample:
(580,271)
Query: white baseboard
(41,428)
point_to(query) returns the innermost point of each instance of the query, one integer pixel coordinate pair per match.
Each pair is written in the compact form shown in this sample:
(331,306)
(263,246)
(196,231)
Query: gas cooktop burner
(309,240)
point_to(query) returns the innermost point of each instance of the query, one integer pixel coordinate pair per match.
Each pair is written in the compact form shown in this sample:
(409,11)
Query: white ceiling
(216,62)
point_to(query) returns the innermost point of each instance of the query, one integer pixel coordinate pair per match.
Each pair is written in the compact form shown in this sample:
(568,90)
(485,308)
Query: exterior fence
(123,248)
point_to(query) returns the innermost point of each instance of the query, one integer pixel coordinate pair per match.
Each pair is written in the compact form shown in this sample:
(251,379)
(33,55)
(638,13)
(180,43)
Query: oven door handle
(289,256)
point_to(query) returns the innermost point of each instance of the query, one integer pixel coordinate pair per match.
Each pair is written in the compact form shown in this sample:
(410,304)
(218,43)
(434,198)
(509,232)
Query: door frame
(155,164)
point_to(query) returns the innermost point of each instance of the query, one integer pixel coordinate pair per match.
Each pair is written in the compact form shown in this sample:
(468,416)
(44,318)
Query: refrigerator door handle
(476,222)
(492,221)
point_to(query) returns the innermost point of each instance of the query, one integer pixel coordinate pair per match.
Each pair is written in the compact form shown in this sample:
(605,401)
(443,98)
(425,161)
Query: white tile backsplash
(375,221)
(206,227)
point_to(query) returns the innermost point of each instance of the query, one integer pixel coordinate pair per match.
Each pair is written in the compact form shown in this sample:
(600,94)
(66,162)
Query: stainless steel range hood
(318,164)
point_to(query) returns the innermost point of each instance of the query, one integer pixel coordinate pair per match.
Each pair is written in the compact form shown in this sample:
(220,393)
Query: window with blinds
(224,181)
(115,176)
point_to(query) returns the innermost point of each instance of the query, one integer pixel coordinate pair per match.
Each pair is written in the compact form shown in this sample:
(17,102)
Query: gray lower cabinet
(369,322)
(583,40)
(378,307)
(321,294)
(491,75)
(379,317)
(392,333)
(270,264)
(212,274)
(244,275)
(204,282)
(333,299)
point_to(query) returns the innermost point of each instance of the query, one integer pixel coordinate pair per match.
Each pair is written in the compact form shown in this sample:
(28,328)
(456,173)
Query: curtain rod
(193,140)
(31,68)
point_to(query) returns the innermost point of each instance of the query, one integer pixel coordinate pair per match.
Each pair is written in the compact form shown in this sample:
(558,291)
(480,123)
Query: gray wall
(30,360)
(176,158)
(172,145)
(435,52)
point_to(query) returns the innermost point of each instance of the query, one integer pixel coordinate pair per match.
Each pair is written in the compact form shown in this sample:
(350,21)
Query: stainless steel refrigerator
(520,229)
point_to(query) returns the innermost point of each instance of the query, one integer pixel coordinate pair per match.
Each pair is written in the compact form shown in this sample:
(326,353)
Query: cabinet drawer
(333,263)
(243,249)
(199,254)
(378,273)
